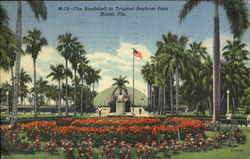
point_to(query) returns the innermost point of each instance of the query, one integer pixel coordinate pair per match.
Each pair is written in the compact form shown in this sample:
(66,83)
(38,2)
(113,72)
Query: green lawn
(38,155)
(21,115)
(237,152)
(184,113)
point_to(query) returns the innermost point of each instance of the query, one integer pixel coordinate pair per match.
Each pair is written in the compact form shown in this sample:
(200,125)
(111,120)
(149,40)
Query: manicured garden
(122,137)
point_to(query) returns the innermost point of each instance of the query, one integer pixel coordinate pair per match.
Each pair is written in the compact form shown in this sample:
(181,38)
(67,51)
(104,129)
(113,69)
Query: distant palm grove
(180,74)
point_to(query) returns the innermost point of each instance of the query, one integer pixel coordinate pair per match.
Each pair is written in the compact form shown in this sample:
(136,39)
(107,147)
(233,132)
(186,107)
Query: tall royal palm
(192,85)
(120,84)
(147,73)
(89,80)
(75,58)
(173,58)
(8,46)
(34,43)
(237,14)
(82,71)
(8,42)
(39,9)
(65,48)
(96,77)
(235,75)
(57,74)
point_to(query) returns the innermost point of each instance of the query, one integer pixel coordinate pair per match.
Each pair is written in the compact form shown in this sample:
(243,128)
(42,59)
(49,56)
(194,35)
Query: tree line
(182,74)
(69,47)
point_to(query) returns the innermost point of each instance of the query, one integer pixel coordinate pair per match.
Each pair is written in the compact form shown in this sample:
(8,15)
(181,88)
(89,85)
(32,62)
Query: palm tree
(9,63)
(8,42)
(42,88)
(158,81)
(173,58)
(24,79)
(65,48)
(147,73)
(75,58)
(58,74)
(237,14)
(120,84)
(89,81)
(96,77)
(82,71)
(234,69)
(52,94)
(40,11)
(34,43)
(198,55)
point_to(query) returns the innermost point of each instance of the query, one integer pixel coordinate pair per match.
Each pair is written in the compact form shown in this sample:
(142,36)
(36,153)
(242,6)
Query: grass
(38,155)
(184,113)
(21,115)
(237,152)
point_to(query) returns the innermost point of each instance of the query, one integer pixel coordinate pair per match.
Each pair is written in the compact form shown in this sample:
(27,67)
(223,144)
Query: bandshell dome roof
(103,98)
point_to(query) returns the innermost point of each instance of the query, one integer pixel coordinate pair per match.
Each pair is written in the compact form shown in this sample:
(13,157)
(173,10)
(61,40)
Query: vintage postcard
(125,79)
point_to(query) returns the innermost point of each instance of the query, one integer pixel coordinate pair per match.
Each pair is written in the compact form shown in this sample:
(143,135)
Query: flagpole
(133,81)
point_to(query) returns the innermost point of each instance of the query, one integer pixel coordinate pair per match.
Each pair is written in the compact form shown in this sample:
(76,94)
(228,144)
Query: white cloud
(96,63)
(208,42)
(4,76)
(49,54)
(104,83)
(139,84)
(128,68)
(106,57)
(121,62)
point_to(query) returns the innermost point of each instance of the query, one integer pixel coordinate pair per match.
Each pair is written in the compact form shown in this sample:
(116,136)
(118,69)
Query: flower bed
(132,128)
(132,139)
(116,121)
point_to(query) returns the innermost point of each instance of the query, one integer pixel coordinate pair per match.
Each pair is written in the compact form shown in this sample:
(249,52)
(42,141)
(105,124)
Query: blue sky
(108,39)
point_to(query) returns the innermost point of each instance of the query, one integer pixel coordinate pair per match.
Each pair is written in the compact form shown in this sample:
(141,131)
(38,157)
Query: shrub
(51,146)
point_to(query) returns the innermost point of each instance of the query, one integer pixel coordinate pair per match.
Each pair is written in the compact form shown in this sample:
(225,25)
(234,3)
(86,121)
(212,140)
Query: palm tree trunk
(59,98)
(120,91)
(81,98)
(66,90)
(148,96)
(35,91)
(17,62)
(13,85)
(177,87)
(159,100)
(171,92)
(75,96)
(216,66)
(88,103)
(154,99)
(93,94)
(164,98)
